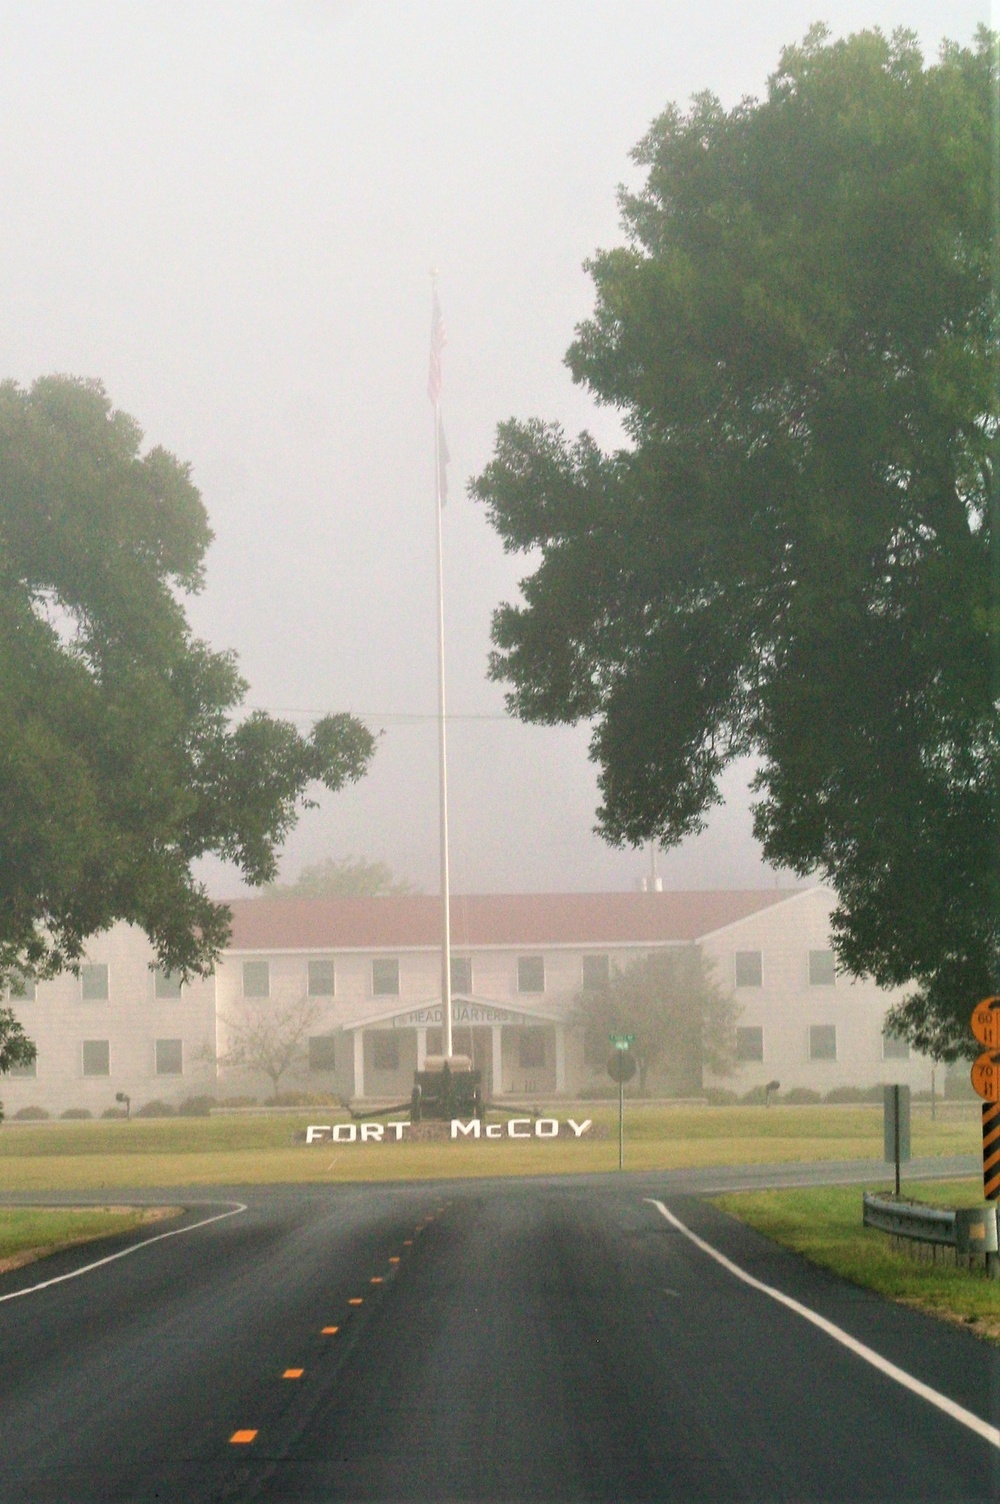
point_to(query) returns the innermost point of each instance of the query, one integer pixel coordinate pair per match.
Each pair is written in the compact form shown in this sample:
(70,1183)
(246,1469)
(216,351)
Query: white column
(496,1062)
(421,1048)
(359,1062)
(560,1058)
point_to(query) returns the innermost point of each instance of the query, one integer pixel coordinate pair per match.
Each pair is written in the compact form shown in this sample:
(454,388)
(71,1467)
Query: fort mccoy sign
(395,1132)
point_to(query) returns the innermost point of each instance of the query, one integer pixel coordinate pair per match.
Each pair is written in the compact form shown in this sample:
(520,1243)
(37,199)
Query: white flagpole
(446,1034)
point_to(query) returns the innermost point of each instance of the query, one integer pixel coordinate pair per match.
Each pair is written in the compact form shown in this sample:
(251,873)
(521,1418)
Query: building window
(894,1047)
(461,974)
(750,1043)
(256,979)
(169,1057)
(166,984)
(385,1050)
(322,1053)
(531,1049)
(596,973)
(531,973)
(96,1057)
(94,985)
(823,1042)
(22,989)
(385,977)
(320,979)
(822,968)
(31,1069)
(749,968)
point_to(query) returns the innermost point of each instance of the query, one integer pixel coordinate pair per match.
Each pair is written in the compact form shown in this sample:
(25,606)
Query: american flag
(438,342)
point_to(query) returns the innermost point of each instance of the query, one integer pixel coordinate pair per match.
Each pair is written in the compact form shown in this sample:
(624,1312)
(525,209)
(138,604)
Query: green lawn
(29,1233)
(241,1150)
(825,1226)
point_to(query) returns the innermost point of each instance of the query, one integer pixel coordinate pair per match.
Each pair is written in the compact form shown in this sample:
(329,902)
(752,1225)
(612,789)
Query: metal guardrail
(969,1230)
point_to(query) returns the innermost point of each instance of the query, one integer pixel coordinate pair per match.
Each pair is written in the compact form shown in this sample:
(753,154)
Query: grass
(245,1150)
(824,1224)
(30,1233)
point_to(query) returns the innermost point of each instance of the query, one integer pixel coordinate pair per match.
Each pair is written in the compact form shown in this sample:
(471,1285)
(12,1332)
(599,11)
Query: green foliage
(344,877)
(121,759)
(15,1046)
(680,1018)
(792,557)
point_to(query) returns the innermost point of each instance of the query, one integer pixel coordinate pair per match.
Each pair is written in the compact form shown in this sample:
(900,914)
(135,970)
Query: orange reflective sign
(986,1022)
(985,1076)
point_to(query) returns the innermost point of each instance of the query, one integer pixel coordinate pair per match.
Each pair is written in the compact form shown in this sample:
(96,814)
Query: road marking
(675,1293)
(242,1438)
(356,1300)
(916,1386)
(376,1279)
(236,1208)
(407,1242)
(394,1260)
(293,1373)
(328,1331)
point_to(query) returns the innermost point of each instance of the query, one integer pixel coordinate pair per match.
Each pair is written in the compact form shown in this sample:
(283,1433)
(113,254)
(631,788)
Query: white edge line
(123,1253)
(932,1396)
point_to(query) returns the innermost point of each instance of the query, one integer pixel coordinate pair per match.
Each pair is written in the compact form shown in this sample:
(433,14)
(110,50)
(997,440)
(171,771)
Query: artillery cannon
(447,1087)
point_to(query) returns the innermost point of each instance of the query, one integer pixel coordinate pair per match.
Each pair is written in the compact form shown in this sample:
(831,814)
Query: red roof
(480,920)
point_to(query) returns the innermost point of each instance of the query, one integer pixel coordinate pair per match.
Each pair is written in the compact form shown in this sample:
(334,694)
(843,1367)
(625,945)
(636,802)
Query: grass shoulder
(30,1233)
(824,1225)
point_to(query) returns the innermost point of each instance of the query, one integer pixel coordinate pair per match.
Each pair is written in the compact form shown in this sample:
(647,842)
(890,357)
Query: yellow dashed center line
(407,1242)
(376,1279)
(328,1331)
(242,1438)
(356,1300)
(293,1373)
(394,1259)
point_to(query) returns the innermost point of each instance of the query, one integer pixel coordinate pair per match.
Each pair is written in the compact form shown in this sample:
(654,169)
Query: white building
(362,976)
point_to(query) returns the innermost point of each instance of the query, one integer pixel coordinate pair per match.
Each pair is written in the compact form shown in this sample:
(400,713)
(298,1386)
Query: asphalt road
(521,1340)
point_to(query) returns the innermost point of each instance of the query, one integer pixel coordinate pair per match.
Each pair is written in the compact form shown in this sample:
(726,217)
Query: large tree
(680,1018)
(343,877)
(790,558)
(124,756)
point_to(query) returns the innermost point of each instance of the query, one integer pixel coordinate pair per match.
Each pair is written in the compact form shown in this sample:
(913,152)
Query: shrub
(801,1096)
(31,1115)
(721,1096)
(78,1113)
(239,1102)
(854,1094)
(756,1097)
(196,1107)
(114,1112)
(155,1109)
(303,1099)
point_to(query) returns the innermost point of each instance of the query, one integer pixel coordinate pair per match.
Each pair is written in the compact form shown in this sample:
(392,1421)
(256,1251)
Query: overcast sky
(228,212)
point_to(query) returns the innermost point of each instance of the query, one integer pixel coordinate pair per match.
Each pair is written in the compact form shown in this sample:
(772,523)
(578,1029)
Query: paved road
(552,1339)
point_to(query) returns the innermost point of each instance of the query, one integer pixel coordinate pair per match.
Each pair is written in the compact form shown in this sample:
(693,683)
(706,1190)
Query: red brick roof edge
(502,919)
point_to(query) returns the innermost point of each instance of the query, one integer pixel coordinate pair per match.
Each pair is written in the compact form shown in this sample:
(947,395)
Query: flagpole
(446,1031)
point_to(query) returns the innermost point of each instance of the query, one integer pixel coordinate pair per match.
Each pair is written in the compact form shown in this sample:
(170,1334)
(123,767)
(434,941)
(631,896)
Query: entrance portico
(489,1032)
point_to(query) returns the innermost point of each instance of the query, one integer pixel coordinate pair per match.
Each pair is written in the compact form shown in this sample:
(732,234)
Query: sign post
(896,1126)
(621,1068)
(985,1076)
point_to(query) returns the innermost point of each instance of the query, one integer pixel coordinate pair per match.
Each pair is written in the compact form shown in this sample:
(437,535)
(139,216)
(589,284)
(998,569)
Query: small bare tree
(269,1036)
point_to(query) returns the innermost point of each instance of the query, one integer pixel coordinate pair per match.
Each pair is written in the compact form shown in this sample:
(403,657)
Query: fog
(228,213)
